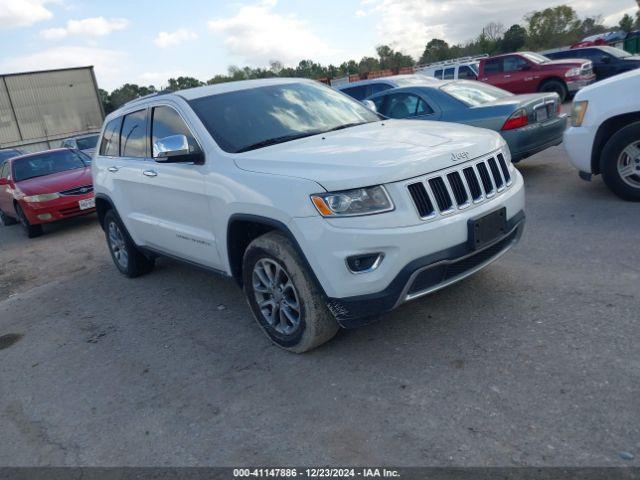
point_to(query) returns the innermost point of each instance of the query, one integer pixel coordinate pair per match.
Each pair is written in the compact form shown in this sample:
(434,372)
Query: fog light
(45,216)
(364,263)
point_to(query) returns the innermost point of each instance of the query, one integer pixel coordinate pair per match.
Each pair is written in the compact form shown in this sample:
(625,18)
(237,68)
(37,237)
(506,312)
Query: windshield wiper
(346,125)
(276,140)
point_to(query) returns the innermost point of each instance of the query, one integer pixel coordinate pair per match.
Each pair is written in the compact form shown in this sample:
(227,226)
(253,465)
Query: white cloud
(361,13)
(23,13)
(110,65)
(168,39)
(159,79)
(87,27)
(409,24)
(257,34)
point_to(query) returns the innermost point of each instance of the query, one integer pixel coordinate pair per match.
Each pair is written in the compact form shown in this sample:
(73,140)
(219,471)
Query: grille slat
(439,189)
(486,179)
(496,172)
(472,181)
(458,188)
(504,168)
(421,199)
(84,189)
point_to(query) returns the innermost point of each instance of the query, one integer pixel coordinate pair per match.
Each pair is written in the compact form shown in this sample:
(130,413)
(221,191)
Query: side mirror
(175,149)
(370,105)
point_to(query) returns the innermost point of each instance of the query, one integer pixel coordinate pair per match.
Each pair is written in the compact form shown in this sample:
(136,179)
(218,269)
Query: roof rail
(149,95)
(453,61)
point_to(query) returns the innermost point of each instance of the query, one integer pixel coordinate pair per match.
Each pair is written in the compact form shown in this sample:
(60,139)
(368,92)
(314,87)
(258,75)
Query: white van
(465,68)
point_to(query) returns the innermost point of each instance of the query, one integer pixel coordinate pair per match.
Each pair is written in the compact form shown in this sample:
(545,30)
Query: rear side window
(466,73)
(449,73)
(110,144)
(493,66)
(167,122)
(133,141)
(359,93)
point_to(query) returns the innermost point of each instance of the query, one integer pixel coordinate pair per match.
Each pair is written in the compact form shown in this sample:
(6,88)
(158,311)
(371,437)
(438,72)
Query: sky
(146,42)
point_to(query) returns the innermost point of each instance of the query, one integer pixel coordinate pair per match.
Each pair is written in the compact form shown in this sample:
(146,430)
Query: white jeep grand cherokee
(324,212)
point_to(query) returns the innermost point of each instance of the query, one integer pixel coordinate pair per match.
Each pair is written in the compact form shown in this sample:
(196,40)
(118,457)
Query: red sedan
(45,187)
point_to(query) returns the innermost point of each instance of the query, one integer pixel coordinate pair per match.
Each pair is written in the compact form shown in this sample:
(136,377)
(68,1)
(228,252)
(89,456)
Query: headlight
(359,201)
(573,72)
(41,198)
(577,113)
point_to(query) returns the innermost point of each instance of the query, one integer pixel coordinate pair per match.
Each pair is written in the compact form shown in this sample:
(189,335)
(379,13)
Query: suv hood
(372,154)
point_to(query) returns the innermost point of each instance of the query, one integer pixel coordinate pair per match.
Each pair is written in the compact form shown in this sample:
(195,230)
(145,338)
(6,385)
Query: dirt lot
(534,361)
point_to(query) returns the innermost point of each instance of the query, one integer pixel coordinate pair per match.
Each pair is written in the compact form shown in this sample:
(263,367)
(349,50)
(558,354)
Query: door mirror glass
(175,148)
(370,105)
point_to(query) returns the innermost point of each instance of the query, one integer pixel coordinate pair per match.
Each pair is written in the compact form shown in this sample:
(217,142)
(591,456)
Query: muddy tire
(284,297)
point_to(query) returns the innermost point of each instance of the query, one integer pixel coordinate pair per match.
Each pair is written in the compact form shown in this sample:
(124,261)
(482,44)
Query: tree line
(543,29)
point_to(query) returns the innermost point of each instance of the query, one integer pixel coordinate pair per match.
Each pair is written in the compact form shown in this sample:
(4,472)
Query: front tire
(620,163)
(32,231)
(283,296)
(557,86)
(126,256)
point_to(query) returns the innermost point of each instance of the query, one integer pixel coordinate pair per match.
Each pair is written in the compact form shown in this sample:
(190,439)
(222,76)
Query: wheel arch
(103,205)
(608,128)
(242,229)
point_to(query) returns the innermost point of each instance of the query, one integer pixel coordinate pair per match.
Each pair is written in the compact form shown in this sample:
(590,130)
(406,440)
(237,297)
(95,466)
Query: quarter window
(110,143)
(133,139)
(167,122)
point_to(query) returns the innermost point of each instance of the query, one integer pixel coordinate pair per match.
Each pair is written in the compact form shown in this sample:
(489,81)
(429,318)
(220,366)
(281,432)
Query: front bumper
(579,83)
(54,210)
(526,141)
(425,275)
(578,142)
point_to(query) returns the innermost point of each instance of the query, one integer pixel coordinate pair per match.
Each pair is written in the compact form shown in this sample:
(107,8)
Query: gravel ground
(533,361)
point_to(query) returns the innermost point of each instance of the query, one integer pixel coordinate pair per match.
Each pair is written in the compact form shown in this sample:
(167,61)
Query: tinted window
(167,122)
(86,143)
(7,154)
(466,73)
(253,118)
(359,93)
(134,134)
(438,74)
(109,146)
(513,64)
(449,73)
(403,105)
(379,87)
(46,164)
(493,66)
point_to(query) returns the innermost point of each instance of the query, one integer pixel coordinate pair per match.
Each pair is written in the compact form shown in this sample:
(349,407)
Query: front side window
(465,72)
(513,64)
(110,144)
(475,94)
(133,139)
(253,118)
(167,122)
(493,66)
(47,163)
(404,105)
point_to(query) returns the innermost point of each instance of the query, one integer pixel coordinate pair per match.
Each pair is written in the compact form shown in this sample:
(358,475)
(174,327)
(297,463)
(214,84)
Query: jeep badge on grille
(460,156)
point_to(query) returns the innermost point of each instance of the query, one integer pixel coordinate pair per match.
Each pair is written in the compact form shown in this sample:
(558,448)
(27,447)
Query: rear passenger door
(181,220)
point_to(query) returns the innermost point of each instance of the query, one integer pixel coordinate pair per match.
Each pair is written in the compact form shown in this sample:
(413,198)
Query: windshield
(47,163)
(248,119)
(616,52)
(6,154)
(86,143)
(535,57)
(475,94)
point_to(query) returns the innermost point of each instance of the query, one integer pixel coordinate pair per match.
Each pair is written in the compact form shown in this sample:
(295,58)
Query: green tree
(514,39)
(128,92)
(105,99)
(626,23)
(435,51)
(552,27)
(591,26)
(368,64)
(182,83)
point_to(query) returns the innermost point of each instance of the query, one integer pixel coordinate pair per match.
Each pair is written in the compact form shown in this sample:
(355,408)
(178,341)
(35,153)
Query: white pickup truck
(323,212)
(604,137)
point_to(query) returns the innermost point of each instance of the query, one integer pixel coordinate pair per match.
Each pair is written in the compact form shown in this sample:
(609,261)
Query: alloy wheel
(117,245)
(276,296)
(629,165)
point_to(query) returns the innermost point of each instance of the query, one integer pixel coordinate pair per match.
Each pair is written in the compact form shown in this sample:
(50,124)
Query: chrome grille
(83,190)
(456,189)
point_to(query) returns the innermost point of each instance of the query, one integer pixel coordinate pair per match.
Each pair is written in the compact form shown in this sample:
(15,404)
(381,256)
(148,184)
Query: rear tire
(32,231)
(125,254)
(6,220)
(557,86)
(620,163)
(283,296)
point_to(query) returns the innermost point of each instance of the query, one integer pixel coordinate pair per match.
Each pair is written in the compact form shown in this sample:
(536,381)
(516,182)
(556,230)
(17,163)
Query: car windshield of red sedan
(46,163)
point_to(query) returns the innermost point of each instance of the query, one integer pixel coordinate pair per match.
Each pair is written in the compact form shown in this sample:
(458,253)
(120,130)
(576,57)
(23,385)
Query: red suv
(44,187)
(529,72)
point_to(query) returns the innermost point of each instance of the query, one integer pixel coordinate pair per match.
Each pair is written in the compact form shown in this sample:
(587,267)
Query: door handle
(150,173)
(113,169)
